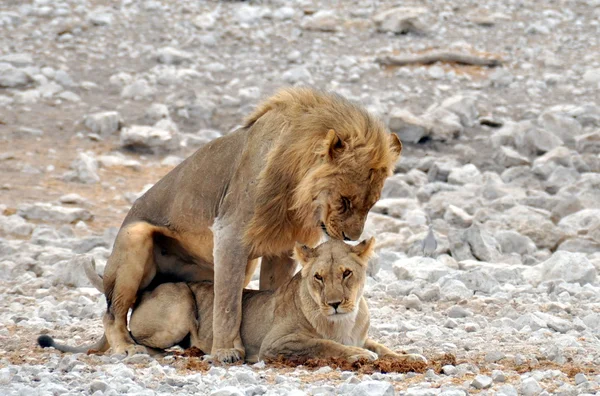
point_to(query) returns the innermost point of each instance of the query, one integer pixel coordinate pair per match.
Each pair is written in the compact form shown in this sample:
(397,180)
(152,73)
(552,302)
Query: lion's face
(334,274)
(343,207)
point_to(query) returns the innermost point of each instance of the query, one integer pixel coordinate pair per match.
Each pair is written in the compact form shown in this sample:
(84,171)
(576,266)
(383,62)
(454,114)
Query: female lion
(320,312)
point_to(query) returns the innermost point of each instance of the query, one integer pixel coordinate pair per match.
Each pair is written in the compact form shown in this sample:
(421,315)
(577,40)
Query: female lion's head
(334,274)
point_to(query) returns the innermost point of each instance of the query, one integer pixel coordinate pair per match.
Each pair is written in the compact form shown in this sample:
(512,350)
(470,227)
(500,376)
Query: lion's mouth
(324,228)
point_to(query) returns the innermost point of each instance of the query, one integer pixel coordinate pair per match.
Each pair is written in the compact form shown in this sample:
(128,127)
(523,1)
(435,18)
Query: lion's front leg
(383,351)
(231,259)
(295,345)
(275,271)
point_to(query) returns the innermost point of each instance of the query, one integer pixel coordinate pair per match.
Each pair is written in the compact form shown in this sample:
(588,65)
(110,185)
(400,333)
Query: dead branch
(432,57)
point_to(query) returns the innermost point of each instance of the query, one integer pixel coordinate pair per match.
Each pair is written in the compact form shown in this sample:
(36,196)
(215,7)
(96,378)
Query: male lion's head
(334,274)
(349,178)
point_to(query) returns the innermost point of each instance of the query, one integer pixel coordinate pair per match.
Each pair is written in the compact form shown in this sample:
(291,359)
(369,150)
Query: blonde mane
(302,119)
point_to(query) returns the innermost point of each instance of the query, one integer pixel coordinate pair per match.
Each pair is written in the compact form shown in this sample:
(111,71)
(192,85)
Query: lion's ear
(395,144)
(333,145)
(364,250)
(303,254)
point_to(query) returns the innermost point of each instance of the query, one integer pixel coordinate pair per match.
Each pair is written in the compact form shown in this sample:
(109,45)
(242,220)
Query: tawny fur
(297,320)
(304,162)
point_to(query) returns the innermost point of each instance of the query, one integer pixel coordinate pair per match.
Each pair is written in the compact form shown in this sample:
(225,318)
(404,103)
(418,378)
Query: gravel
(98,101)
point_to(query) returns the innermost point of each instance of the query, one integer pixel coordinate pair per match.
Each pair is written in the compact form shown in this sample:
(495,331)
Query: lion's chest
(343,331)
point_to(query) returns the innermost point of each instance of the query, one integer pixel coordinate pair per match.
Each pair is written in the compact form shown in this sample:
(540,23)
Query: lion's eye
(346,204)
(319,277)
(347,273)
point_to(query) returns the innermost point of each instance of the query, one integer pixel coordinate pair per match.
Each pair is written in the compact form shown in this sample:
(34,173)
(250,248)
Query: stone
(477,280)
(530,387)
(466,174)
(323,21)
(457,311)
(508,158)
(400,20)
(445,124)
(373,388)
(588,143)
(205,21)
(17,59)
(592,76)
(46,212)
(494,356)
(482,382)
(569,267)
(11,77)
(457,217)
(84,169)
(100,17)
(498,376)
(412,302)
(454,290)
(580,378)
(228,391)
(561,176)
(474,243)
(409,128)
(582,222)
(297,74)
(513,242)
(105,123)
(15,225)
(561,125)
(173,56)
(157,112)
(464,107)
(535,224)
(71,272)
(149,139)
(137,90)
(424,268)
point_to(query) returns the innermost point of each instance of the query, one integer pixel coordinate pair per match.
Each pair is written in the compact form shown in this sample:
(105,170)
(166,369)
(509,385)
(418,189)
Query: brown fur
(320,313)
(304,162)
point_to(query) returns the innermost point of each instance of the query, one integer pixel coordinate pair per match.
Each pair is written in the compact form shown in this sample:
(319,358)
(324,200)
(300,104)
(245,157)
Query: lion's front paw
(409,357)
(226,356)
(363,355)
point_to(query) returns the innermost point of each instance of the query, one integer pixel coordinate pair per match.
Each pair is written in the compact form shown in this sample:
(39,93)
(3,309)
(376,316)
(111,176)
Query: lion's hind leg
(129,269)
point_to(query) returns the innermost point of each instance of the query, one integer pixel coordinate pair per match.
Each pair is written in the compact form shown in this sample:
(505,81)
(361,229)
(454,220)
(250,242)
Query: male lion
(304,162)
(319,313)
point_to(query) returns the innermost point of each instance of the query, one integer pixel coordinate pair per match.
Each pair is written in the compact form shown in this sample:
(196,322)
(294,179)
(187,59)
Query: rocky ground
(99,99)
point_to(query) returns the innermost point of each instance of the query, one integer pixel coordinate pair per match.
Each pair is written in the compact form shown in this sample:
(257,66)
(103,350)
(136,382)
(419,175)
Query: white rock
(408,127)
(15,225)
(17,59)
(84,169)
(100,16)
(149,139)
(482,382)
(71,272)
(137,90)
(588,143)
(454,290)
(105,123)
(206,21)
(530,387)
(592,76)
(464,107)
(173,56)
(465,175)
(424,268)
(400,20)
(323,20)
(569,267)
(11,77)
(508,157)
(297,74)
(373,388)
(50,213)
(227,391)
(561,125)
(157,112)
(535,224)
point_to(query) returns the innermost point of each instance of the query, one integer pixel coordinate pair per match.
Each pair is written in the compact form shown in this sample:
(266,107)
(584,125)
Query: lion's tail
(93,276)
(45,341)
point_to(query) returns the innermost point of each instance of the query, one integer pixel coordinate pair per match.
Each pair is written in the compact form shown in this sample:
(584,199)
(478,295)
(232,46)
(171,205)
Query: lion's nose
(335,305)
